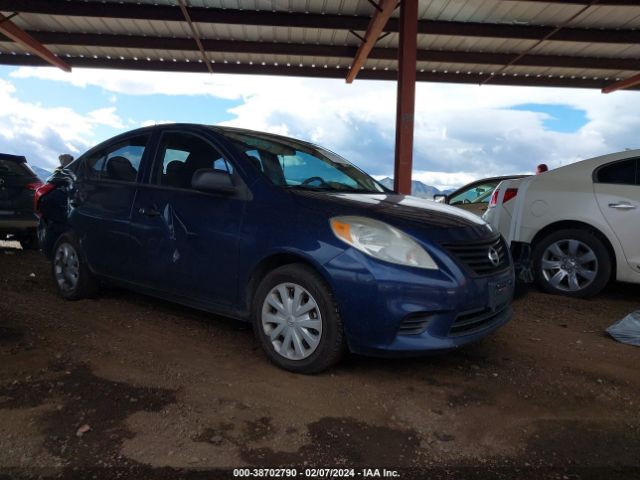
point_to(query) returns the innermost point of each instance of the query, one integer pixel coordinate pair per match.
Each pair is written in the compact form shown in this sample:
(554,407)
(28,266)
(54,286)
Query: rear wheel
(70,272)
(572,262)
(296,320)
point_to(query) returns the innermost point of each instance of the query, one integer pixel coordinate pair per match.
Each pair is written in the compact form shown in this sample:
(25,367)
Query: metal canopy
(572,43)
(460,41)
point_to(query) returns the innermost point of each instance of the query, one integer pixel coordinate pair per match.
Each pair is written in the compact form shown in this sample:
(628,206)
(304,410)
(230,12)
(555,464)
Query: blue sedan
(285,234)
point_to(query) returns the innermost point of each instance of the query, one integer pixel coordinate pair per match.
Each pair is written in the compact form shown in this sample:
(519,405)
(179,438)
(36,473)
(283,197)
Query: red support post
(406,96)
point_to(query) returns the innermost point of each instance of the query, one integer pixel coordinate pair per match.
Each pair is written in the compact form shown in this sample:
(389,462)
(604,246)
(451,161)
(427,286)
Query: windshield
(293,164)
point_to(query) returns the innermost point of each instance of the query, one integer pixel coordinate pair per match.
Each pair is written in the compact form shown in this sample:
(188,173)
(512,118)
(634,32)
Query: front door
(617,190)
(187,240)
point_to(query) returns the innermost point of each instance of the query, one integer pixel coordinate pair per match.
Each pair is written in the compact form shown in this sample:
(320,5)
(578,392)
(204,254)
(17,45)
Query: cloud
(462,132)
(153,83)
(42,133)
(149,123)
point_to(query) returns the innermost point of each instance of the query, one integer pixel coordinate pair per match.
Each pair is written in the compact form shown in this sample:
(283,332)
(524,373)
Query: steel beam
(374,30)
(611,3)
(547,37)
(406,96)
(310,20)
(195,33)
(623,84)
(334,51)
(317,72)
(22,38)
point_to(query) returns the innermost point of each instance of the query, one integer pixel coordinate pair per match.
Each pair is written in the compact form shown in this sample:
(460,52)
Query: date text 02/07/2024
(315,473)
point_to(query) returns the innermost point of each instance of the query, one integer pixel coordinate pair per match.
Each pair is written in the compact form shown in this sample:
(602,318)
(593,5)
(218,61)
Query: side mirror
(440,198)
(210,180)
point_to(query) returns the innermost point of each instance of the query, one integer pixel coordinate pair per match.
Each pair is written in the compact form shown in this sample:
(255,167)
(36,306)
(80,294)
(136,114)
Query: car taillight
(41,191)
(494,198)
(508,195)
(33,186)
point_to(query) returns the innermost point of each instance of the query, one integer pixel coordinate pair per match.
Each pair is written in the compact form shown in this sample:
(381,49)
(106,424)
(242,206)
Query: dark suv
(18,182)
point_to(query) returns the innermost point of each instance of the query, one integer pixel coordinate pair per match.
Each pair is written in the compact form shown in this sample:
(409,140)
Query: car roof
(15,158)
(585,168)
(488,179)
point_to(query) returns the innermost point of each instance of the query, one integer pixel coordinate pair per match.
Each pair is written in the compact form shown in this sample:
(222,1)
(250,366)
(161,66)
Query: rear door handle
(149,211)
(622,206)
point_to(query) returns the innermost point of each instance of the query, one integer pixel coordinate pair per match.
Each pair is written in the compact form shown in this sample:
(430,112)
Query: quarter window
(120,162)
(476,194)
(621,173)
(181,154)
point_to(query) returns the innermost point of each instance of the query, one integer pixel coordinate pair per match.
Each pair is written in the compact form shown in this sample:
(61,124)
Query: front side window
(120,162)
(476,194)
(292,164)
(621,173)
(181,155)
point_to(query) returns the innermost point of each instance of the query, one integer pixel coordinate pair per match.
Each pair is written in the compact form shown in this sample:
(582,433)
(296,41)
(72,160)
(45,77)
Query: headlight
(381,241)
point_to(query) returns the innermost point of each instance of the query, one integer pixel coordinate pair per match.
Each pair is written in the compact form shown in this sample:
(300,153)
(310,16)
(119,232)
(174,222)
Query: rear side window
(119,162)
(480,193)
(622,173)
(181,154)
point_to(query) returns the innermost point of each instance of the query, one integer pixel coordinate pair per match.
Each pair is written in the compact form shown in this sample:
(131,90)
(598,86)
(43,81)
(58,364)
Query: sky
(462,132)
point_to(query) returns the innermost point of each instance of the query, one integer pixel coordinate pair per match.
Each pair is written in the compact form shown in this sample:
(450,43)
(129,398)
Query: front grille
(414,324)
(476,255)
(475,320)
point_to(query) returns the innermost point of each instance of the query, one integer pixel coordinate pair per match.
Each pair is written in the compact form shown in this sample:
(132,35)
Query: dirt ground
(170,392)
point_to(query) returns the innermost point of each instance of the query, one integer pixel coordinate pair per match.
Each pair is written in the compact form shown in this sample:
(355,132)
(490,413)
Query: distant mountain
(418,189)
(41,172)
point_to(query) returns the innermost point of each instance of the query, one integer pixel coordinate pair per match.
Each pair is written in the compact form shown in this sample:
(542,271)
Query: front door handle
(149,212)
(622,206)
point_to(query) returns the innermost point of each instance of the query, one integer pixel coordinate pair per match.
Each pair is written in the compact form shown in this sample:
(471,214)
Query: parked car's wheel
(571,262)
(297,321)
(70,271)
(29,241)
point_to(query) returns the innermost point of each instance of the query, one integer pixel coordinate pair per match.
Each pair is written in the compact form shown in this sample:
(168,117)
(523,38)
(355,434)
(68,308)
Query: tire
(71,274)
(576,255)
(321,338)
(29,242)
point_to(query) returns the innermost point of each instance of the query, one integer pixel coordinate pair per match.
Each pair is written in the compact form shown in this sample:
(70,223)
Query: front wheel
(296,320)
(70,272)
(571,262)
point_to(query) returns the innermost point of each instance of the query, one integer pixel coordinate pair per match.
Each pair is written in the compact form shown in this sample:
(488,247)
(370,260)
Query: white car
(574,228)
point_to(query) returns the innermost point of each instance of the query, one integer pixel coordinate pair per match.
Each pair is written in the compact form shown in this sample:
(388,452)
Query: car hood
(402,211)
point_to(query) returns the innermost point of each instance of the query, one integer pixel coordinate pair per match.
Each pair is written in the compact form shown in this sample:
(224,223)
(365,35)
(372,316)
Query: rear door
(187,241)
(104,195)
(617,190)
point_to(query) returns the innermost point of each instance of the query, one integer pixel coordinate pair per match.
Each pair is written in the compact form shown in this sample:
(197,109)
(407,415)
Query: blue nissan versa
(279,232)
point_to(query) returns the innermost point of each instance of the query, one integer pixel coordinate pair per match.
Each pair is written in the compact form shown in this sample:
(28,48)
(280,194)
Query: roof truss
(375,28)
(566,70)
(310,20)
(11,31)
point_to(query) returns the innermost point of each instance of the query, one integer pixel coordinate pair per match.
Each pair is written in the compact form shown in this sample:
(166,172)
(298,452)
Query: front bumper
(393,310)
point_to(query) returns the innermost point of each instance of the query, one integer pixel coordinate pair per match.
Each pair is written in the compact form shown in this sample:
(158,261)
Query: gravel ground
(130,386)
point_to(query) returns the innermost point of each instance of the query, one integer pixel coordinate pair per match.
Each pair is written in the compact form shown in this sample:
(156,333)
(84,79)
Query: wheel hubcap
(292,321)
(66,267)
(569,265)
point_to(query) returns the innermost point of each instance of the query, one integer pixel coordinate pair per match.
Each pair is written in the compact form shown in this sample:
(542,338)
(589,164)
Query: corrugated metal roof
(457,37)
